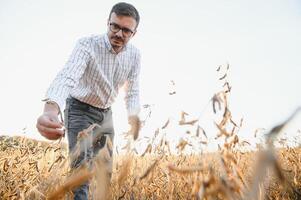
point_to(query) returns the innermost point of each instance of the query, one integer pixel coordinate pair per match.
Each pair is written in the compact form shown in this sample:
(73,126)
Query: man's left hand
(135,124)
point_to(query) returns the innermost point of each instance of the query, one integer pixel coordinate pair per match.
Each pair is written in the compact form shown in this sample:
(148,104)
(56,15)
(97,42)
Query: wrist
(50,112)
(133,118)
(51,107)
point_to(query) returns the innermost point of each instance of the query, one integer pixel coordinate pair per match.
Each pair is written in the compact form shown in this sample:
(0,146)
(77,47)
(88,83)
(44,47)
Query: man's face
(120,30)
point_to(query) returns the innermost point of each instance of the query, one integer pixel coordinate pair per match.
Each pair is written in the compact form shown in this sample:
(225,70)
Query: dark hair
(125,9)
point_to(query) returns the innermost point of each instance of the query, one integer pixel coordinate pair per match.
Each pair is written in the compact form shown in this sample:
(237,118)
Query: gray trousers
(79,116)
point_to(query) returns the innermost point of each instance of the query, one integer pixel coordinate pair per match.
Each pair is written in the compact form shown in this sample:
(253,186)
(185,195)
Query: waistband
(72,99)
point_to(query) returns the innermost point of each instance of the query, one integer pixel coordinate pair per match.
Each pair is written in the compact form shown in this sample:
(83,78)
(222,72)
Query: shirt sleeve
(69,76)
(132,97)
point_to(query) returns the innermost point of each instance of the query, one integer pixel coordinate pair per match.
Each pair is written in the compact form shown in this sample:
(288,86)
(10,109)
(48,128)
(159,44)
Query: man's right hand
(49,124)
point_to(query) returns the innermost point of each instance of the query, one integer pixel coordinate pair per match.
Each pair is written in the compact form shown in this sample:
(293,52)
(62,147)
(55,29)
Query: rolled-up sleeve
(69,76)
(132,97)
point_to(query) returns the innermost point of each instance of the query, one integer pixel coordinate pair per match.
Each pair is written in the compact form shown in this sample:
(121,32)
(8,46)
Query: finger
(52,136)
(49,123)
(135,133)
(50,132)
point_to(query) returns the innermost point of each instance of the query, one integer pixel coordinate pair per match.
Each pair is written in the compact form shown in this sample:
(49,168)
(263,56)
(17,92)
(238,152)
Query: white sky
(184,41)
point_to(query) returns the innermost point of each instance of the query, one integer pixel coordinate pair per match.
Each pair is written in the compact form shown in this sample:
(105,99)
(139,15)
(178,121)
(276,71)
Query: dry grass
(32,169)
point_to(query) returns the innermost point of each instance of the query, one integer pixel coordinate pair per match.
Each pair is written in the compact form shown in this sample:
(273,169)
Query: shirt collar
(109,46)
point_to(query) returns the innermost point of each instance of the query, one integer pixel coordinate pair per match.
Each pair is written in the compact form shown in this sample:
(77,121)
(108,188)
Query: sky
(180,41)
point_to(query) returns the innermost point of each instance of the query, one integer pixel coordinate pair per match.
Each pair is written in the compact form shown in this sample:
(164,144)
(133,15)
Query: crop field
(37,170)
(31,169)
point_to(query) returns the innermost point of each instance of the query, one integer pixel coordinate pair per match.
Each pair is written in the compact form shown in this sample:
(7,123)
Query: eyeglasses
(115,28)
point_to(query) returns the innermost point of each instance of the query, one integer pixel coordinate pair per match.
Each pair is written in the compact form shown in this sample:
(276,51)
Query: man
(89,83)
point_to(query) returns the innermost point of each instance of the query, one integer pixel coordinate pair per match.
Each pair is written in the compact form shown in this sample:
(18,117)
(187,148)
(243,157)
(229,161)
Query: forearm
(132,98)
(69,76)
(133,106)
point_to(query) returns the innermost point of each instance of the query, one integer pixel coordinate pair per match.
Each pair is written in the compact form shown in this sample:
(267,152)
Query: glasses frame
(124,29)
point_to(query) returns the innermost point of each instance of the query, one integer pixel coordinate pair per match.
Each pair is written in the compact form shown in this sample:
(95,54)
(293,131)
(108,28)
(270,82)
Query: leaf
(166,124)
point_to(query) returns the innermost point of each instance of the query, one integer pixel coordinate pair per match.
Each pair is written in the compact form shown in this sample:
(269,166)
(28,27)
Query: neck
(117,49)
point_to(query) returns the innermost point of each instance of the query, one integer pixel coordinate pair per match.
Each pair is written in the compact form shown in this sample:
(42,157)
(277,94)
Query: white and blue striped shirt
(94,73)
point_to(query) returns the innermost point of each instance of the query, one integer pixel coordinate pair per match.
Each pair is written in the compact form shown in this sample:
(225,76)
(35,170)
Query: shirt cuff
(133,111)
(60,103)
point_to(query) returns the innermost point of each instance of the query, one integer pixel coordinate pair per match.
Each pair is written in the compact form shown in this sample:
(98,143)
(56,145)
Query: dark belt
(88,105)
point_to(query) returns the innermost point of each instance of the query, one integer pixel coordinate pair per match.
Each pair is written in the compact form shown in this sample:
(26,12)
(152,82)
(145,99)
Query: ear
(108,22)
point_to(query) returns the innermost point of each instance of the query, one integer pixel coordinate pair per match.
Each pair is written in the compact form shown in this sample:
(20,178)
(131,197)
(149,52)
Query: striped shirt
(94,73)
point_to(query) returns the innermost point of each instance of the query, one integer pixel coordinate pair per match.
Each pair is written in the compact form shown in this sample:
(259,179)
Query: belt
(88,105)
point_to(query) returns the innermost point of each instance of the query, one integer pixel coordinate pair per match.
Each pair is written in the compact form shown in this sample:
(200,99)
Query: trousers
(79,116)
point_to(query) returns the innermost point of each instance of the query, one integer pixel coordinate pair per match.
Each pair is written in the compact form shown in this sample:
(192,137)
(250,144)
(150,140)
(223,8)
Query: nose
(119,33)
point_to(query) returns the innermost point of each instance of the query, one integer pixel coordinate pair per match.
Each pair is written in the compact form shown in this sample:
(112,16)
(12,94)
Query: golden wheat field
(31,169)
(36,170)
